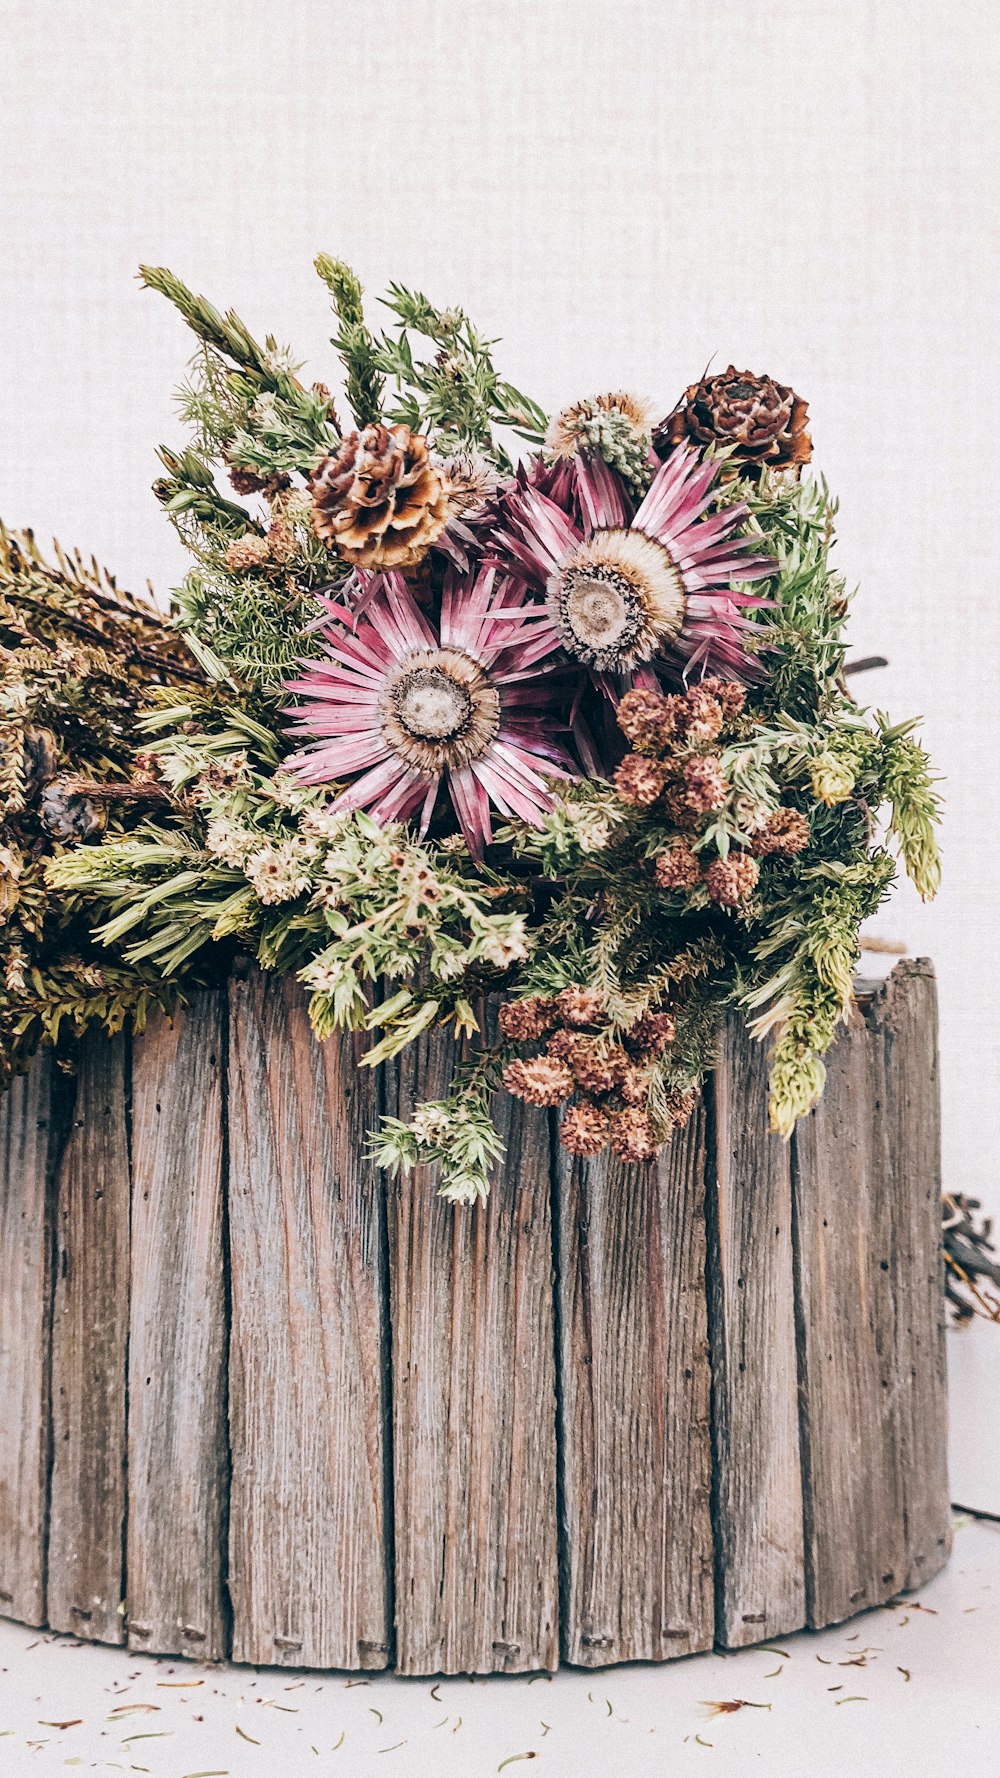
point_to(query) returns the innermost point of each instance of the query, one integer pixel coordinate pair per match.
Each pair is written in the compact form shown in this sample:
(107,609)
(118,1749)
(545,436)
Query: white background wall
(808,187)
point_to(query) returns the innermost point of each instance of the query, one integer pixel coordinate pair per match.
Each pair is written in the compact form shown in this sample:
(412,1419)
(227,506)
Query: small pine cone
(680,1103)
(540,1081)
(247,552)
(634,1086)
(246,481)
(730,880)
(633,1137)
(580,1006)
(786,830)
(763,422)
(596,1066)
(584,1128)
(639,780)
(378,499)
(704,786)
(651,1033)
(643,715)
(524,1021)
(677,867)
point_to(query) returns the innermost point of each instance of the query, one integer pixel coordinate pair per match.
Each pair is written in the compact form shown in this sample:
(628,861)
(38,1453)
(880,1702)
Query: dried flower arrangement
(457,699)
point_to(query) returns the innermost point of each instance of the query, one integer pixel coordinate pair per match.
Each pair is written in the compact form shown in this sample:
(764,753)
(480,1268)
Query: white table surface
(908,1692)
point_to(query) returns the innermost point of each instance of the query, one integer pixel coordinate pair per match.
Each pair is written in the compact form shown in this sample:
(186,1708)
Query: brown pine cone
(540,1081)
(763,420)
(378,499)
(584,1128)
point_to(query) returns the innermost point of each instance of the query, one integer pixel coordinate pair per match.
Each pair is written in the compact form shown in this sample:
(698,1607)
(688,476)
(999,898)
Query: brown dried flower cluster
(609,1074)
(786,830)
(761,421)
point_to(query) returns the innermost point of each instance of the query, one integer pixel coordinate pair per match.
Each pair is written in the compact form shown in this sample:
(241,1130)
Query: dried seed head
(677,868)
(580,1006)
(730,880)
(639,781)
(651,1033)
(597,1066)
(524,1021)
(633,1136)
(634,1085)
(786,830)
(584,1128)
(439,711)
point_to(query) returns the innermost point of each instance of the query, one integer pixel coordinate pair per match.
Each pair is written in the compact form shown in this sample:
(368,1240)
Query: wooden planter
(255,1403)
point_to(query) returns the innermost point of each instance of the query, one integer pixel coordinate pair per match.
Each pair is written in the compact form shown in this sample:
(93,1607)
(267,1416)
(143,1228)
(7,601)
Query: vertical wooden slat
(845,1236)
(909,1115)
(27,1142)
(177,1438)
(473,1401)
(307,1558)
(757,1493)
(89,1345)
(635,1387)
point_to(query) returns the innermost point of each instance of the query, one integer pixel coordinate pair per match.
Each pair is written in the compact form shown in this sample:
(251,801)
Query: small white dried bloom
(504,948)
(751,814)
(591,829)
(229,842)
(430,1123)
(277,873)
(325,823)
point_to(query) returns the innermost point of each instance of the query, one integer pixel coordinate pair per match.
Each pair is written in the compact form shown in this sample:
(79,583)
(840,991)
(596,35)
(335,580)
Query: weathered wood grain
(308,1523)
(908,1113)
(635,1387)
(473,1371)
(845,1235)
(28,1147)
(177,1437)
(757,1491)
(89,1345)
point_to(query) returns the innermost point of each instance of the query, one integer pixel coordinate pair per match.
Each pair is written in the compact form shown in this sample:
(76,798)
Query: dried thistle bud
(785,830)
(542,1080)
(639,781)
(730,880)
(580,1006)
(585,1128)
(651,1033)
(633,1136)
(677,868)
(524,1021)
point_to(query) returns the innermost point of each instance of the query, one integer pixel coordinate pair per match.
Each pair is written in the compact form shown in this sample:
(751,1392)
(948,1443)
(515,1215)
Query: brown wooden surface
(635,1395)
(27,1141)
(908,1111)
(473,1371)
(760,1585)
(177,1437)
(845,1235)
(89,1344)
(307,1530)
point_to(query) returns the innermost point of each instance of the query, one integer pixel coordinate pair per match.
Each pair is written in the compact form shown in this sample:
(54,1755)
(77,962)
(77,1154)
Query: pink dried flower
(398,708)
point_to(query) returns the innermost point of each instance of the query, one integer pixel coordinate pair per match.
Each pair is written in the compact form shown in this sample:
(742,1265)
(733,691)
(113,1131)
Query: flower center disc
(431,705)
(597,611)
(439,710)
(618,599)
